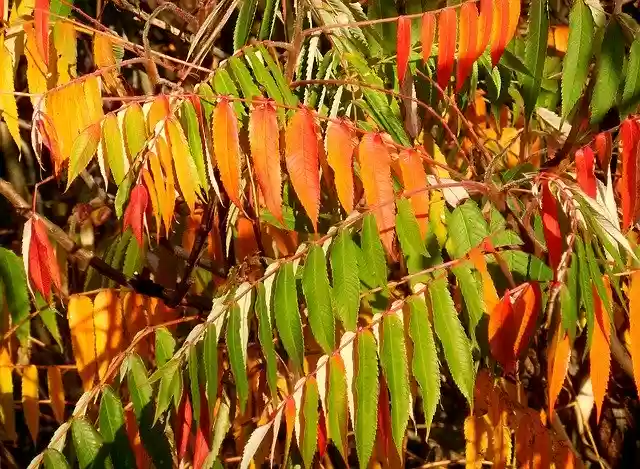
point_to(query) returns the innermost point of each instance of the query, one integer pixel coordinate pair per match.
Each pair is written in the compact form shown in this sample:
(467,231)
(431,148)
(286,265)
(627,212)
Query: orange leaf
(134,215)
(156,208)
(133,434)
(585,162)
(165,160)
(427,30)
(80,315)
(7,411)
(159,110)
(447,24)
(499,30)
(245,244)
(264,139)
(136,308)
(489,293)
(105,60)
(403,46)
(42,261)
(30,400)
(629,137)
(551,227)
(600,352)
(56,392)
(340,142)
(603,145)
(634,325)
(467,42)
(302,155)
(414,179)
(41,20)
(484,25)
(108,327)
(558,365)
(526,308)
(375,171)
(226,146)
(502,330)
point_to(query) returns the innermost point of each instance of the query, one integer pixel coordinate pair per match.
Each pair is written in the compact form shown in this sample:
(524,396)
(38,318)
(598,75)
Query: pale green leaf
(469,228)
(244,78)
(290,98)
(224,85)
(134,130)
(170,385)
(14,280)
(373,252)
(113,148)
(165,346)
(84,148)
(191,125)
(408,229)
(54,459)
(337,416)
(265,334)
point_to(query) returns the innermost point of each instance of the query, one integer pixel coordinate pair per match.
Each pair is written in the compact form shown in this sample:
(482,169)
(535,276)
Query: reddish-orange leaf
(585,163)
(551,227)
(264,139)
(340,144)
(290,421)
(447,24)
(414,179)
(558,365)
(303,161)
(427,30)
(403,46)
(629,136)
(184,419)
(41,20)
(600,352)
(203,433)
(503,328)
(41,257)
(375,171)
(134,215)
(133,435)
(634,325)
(322,435)
(603,145)
(484,25)
(226,146)
(526,308)
(245,244)
(514,16)
(467,42)
(499,30)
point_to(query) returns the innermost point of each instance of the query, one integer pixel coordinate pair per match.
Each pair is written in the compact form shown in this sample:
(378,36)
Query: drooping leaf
(337,411)
(503,327)
(210,361)
(83,150)
(585,165)
(447,34)
(469,226)
(113,149)
(42,260)
(600,352)
(237,354)
(366,396)
(603,145)
(89,445)
(535,52)
(8,106)
(374,262)
(134,130)
(185,167)
(467,43)
(414,180)
(344,273)
(489,293)
(7,412)
(41,21)
(551,227)
(134,214)
(559,354)
(302,155)
(427,31)
(526,309)
(408,230)
(193,368)
(191,116)
(629,138)
(265,334)
(226,146)
(631,92)
(30,400)
(80,315)
(54,459)
(575,66)
(56,392)
(608,71)
(634,325)
(340,144)
(112,429)
(309,438)
(253,444)
(317,292)
(403,46)
(485,23)
(499,30)
(244,23)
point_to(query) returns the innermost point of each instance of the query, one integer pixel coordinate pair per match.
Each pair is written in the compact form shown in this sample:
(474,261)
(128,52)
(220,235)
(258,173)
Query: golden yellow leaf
(30,399)
(83,340)
(20,9)
(185,167)
(158,111)
(489,294)
(104,58)
(477,436)
(8,107)
(137,309)
(93,99)
(165,159)
(56,392)
(37,71)
(64,40)
(7,413)
(107,321)
(68,113)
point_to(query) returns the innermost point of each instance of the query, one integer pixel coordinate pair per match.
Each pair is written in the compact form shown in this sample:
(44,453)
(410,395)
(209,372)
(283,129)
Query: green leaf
(224,85)
(408,229)
(575,67)
(194,380)
(285,302)
(112,147)
(208,97)
(13,277)
(317,292)
(244,78)
(123,193)
(631,92)
(534,53)
(310,417)
(586,293)
(237,355)
(266,80)
(471,290)
(469,226)
(424,365)
(375,262)
(344,274)
(133,258)
(265,334)
(596,276)
(84,148)
(378,9)
(134,130)
(268,19)
(457,349)
(244,23)
(60,9)
(112,429)
(165,346)
(366,396)
(290,99)
(191,125)
(90,450)
(337,410)
(54,459)
(211,363)
(524,266)
(48,315)
(170,386)
(393,358)
(609,72)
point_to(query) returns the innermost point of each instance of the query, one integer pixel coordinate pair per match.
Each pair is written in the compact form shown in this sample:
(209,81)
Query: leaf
(485,23)
(309,438)
(447,24)
(8,106)
(551,227)
(559,354)
(375,171)
(344,274)
(210,361)
(237,352)
(112,429)
(185,168)
(244,23)
(42,260)
(105,59)
(56,392)
(470,228)
(165,346)
(41,22)
(503,327)
(253,444)
(80,315)
(183,428)
(12,276)
(88,445)
(375,264)
(534,53)
(634,324)
(54,459)
(526,308)
(427,30)
(265,334)
(499,30)
(30,400)
(414,180)
(337,411)
(191,114)
(473,296)
(403,46)
(340,144)
(84,148)
(134,215)
(65,43)
(631,92)
(134,130)
(226,146)
(467,43)
(7,412)
(317,292)
(408,230)
(393,358)
(302,155)
(575,66)
(268,19)
(457,349)
(600,352)
(366,396)
(264,139)
(194,380)
(113,149)
(609,71)
(489,293)
(585,165)
(629,137)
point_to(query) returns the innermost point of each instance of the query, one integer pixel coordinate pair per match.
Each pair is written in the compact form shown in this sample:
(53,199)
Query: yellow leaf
(107,321)
(104,58)
(8,106)
(64,40)
(164,154)
(30,399)
(437,217)
(185,167)
(7,413)
(153,195)
(56,392)
(20,9)
(489,294)
(37,72)
(158,111)
(93,99)
(477,436)
(83,340)
(136,308)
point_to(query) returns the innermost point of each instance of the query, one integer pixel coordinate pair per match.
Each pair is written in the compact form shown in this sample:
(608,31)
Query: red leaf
(467,43)
(414,178)
(375,171)
(41,19)
(447,24)
(502,333)
(484,25)
(134,215)
(427,31)
(340,142)
(203,433)
(585,162)
(322,436)
(551,227)
(226,146)
(264,139)
(183,427)
(499,30)
(303,161)
(629,135)
(403,46)
(600,352)
(603,146)
(42,260)
(526,309)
